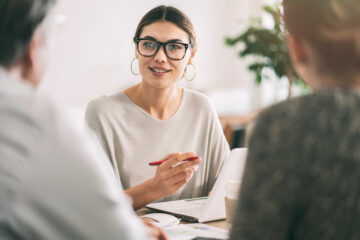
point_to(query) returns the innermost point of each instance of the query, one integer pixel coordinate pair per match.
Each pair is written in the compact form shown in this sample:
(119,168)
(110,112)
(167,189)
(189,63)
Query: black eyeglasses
(148,47)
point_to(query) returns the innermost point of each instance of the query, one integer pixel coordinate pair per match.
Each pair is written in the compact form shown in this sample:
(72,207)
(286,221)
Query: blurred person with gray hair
(54,183)
(302,175)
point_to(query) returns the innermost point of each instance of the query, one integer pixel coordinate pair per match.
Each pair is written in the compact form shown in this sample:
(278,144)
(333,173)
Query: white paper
(190,231)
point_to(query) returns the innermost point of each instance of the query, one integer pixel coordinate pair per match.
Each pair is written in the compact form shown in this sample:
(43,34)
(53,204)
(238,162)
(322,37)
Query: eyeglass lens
(173,50)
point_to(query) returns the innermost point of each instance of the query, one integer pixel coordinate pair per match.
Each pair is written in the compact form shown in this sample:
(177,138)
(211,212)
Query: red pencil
(161,161)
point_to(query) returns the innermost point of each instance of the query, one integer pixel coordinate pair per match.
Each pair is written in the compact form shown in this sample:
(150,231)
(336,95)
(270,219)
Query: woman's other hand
(153,230)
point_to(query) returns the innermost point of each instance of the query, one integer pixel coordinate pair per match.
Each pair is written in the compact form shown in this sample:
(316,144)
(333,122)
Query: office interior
(94,50)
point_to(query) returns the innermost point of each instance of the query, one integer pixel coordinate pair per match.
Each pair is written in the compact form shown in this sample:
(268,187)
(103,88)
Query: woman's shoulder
(197,99)
(105,103)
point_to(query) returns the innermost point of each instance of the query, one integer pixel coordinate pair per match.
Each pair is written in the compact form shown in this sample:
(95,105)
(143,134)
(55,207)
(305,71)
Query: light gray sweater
(53,181)
(132,138)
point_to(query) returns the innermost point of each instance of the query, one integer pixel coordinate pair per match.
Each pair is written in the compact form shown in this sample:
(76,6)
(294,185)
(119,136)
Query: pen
(161,161)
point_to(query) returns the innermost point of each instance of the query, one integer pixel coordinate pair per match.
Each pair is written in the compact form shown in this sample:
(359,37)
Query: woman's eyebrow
(171,40)
(150,38)
(175,40)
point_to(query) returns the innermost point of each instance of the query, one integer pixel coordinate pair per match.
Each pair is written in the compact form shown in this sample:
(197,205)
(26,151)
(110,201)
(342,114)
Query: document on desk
(191,231)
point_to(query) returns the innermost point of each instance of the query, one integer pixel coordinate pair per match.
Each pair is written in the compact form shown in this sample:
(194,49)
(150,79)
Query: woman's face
(159,71)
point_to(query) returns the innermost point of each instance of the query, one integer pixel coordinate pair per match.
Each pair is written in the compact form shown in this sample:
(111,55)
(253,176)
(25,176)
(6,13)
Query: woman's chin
(160,83)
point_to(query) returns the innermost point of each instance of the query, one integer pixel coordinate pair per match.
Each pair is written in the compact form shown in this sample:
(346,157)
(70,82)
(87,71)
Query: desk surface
(220,224)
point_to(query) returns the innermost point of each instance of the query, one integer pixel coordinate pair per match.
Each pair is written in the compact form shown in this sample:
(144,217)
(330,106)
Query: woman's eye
(174,47)
(149,44)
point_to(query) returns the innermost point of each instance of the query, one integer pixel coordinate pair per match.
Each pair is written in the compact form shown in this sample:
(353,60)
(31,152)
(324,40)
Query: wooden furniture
(232,123)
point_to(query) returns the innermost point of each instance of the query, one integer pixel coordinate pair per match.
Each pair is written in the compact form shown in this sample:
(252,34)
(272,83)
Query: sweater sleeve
(218,149)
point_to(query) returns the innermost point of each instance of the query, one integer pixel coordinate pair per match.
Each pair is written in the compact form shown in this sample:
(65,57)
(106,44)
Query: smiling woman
(162,53)
(157,118)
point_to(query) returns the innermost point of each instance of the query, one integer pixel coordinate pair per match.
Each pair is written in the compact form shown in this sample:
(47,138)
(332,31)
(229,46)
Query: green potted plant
(269,47)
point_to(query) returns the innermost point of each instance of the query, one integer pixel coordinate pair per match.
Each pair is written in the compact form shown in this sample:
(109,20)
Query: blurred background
(94,50)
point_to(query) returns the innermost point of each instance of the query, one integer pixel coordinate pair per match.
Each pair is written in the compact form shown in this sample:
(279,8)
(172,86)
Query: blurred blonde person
(303,169)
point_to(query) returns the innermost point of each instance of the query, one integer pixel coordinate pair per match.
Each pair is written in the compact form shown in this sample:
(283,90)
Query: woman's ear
(297,50)
(303,58)
(193,53)
(136,51)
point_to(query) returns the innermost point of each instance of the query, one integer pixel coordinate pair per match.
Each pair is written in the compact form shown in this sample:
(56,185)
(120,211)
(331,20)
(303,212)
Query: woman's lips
(159,72)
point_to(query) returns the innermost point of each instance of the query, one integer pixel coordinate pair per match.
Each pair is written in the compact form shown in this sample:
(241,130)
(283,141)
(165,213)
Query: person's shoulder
(320,102)
(198,99)
(314,112)
(29,108)
(105,104)
(27,120)
(98,104)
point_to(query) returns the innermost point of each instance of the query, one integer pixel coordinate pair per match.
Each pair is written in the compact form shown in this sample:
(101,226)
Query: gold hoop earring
(186,73)
(131,67)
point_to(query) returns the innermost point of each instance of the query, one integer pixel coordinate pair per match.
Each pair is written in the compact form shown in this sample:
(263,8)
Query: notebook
(205,209)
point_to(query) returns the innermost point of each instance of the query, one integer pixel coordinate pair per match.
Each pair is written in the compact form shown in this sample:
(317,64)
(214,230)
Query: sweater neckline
(178,111)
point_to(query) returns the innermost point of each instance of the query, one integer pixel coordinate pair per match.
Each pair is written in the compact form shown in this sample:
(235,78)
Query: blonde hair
(344,22)
(332,27)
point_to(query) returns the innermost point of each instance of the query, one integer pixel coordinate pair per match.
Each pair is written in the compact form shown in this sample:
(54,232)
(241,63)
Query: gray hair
(19,20)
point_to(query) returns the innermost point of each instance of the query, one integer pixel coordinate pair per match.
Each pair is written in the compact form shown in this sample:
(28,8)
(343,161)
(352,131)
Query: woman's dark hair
(332,27)
(19,20)
(169,14)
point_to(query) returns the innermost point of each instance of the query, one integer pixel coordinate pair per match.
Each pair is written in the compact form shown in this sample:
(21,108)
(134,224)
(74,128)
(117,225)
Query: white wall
(94,49)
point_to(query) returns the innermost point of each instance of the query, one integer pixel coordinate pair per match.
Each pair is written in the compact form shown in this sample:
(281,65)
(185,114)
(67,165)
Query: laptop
(206,209)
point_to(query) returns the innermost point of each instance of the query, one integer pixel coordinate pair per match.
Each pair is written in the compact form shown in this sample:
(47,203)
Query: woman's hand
(153,230)
(170,176)
(173,173)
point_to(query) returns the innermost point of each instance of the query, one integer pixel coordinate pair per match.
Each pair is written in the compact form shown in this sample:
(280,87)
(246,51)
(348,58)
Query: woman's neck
(159,103)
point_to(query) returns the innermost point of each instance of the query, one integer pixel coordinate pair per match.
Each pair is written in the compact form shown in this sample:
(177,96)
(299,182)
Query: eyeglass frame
(163,44)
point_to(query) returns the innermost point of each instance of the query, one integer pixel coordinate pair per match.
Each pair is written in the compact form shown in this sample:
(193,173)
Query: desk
(220,224)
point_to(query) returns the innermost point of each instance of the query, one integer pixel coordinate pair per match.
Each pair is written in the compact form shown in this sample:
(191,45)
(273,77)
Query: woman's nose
(160,56)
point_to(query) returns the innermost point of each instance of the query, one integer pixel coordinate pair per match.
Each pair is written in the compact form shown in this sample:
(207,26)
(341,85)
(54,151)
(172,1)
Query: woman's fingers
(169,156)
(186,165)
(155,231)
(174,181)
(175,172)
(179,184)
(184,175)
(182,178)
(177,159)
